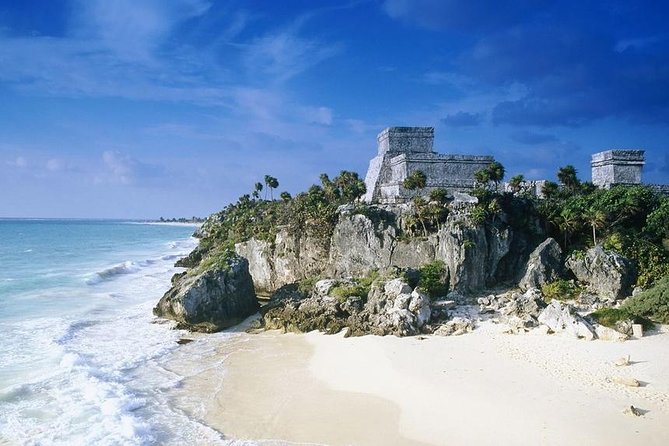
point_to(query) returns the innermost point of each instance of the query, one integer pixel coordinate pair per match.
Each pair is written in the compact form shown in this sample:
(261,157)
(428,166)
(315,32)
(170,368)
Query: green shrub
(306,285)
(559,290)
(608,317)
(652,304)
(346,291)
(434,278)
(360,287)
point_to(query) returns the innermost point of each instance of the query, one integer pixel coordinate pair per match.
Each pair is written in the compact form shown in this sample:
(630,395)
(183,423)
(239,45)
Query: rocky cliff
(212,298)
(371,238)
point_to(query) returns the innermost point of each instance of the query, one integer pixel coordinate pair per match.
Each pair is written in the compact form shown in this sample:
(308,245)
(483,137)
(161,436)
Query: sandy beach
(482,388)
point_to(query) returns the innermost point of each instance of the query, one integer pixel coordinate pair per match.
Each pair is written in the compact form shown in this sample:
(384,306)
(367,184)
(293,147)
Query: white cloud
(133,29)
(318,115)
(122,167)
(283,55)
(19,162)
(55,164)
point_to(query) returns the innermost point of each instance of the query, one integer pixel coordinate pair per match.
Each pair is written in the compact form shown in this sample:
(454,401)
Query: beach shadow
(636,362)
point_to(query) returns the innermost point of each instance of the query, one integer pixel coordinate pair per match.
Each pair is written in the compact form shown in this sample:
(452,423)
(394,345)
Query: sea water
(82,358)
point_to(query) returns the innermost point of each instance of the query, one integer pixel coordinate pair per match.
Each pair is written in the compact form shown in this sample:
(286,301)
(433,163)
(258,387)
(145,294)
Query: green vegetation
(415,180)
(609,317)
(312,212)
(306,285)
(631,220)
(560,290)
(651,304)
(360,287)
(433,279)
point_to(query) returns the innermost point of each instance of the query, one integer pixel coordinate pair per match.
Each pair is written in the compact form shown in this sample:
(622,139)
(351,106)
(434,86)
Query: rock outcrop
(455,327)
(605,273)
(544,265)
(211,300)
(561,317)
(519,311)
(360,243)
(391,308)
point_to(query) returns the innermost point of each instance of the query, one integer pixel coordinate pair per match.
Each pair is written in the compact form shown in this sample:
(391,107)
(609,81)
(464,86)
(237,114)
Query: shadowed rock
(209,301)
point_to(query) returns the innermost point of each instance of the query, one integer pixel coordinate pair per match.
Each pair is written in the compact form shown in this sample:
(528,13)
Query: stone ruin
(617,167)
(403,150)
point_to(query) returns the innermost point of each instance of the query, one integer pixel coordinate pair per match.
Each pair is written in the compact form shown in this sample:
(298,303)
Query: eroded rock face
(561,317)
(519,311)
(215,299)
(392,308)
(543,266)
(455,327)
(292,257)
(359,244)
(606,273)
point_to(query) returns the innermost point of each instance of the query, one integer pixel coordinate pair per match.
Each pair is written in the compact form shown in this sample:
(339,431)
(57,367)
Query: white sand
(482,388)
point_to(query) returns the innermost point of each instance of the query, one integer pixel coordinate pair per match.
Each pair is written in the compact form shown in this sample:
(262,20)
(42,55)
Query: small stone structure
(403,150)
(617,167)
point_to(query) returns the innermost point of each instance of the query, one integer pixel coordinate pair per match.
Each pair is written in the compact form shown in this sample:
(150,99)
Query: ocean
(83,361)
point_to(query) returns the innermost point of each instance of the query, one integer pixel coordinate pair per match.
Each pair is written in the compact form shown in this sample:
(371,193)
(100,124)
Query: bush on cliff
(433,279)
(559,290)
(630,220)
(652,304)
(312,212)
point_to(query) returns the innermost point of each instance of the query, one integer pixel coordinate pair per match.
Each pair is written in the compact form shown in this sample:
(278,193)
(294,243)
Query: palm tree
(568,221)
(567,176)
(271,183)
(415,180)
(496,173)
(420,207)
(482,177)
(256,190)
(516,182)
(596,219)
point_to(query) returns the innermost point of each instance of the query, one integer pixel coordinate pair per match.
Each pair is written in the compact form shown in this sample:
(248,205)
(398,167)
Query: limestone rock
(455,327)
(323,287)
(623,361)
(543,266)
(609,334)
(561,317)
(518,311)
(633,411)
(211,300)
(605,273)
(391,308)
(625,381)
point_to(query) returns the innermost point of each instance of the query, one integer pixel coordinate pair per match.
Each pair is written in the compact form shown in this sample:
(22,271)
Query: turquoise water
(82,359)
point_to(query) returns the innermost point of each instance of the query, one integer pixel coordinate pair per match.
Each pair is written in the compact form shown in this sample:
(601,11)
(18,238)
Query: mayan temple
(403,150)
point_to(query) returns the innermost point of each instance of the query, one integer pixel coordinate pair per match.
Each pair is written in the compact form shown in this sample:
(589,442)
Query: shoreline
(480,388)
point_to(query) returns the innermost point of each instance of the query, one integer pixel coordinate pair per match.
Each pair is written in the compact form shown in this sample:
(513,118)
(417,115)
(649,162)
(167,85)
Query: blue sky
(148,108)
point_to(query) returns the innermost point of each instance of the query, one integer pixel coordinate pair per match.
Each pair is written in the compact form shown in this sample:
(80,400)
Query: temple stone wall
(403,150)
(617,167)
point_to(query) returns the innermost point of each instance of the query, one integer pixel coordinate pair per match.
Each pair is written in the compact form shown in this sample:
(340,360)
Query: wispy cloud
(282,55)
(123,169)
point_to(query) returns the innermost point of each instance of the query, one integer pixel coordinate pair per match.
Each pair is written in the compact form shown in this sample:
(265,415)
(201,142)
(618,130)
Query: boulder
(217,298)
(518,311)
(523,310)
(561,317)
(605,273)
(543,266)
(390,308)
(609,334)
(455,327)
